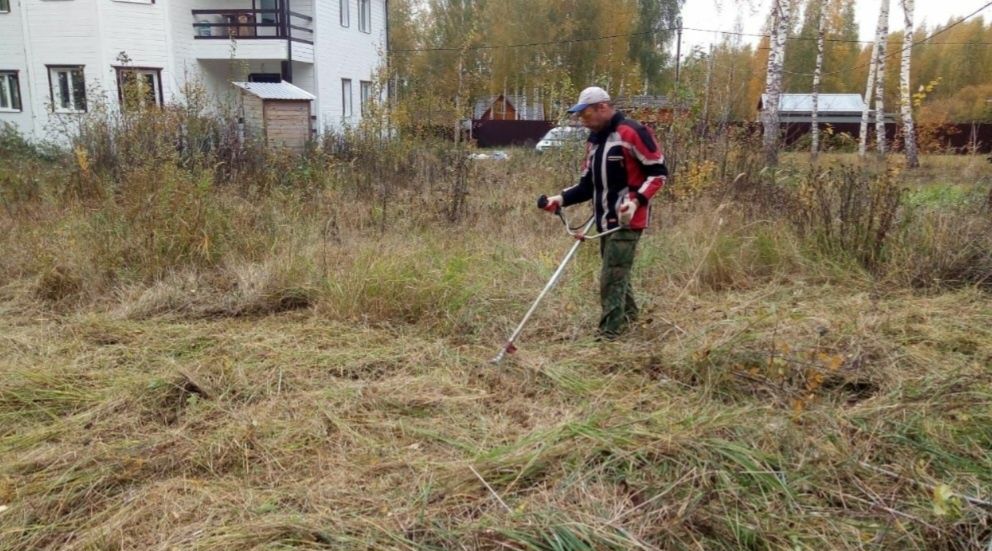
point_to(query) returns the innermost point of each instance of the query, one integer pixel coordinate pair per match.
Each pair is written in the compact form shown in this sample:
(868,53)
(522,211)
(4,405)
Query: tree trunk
(908,128)
(706,100)
(458,105)
(869,89)
(814,125)
(882,36)
(773,80)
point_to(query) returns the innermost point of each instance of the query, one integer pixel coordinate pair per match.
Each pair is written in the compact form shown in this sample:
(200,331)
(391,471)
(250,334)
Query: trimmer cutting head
(509,348)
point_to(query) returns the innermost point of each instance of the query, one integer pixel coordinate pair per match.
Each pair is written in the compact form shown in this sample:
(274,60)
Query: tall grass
(787,386)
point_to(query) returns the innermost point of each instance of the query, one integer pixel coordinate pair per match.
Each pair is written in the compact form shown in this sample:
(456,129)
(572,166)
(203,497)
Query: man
(623,169)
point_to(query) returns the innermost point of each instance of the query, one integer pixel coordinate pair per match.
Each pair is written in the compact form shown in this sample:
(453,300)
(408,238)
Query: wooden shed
(278,111)
(646,109)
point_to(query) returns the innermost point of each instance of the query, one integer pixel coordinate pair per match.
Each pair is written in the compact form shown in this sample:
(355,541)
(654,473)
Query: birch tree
(869,89)
(881,38)
(814,125)
(905,98)
(773,80)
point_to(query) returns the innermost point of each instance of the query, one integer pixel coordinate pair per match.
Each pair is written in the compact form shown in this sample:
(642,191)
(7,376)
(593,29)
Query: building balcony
(268,33)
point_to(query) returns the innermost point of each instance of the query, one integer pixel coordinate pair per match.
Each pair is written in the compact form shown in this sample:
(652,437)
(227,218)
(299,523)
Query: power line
(825,39)
(531,44)
(714,31)
(914,44)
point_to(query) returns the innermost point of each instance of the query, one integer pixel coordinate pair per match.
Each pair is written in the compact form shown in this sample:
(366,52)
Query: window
(265,77)
(139,88)
(365,16)
(346,98)
(68,88)
(270,18)
(4,6)
(345,13)
(366,94)
(10,93)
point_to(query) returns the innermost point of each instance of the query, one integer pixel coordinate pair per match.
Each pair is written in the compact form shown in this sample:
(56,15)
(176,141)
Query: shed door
(287,123)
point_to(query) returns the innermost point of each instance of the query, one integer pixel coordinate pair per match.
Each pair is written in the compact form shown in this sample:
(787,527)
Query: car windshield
(565,133)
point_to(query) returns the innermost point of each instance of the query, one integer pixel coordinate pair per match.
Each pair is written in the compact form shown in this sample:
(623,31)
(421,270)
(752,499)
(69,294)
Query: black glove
(551,204)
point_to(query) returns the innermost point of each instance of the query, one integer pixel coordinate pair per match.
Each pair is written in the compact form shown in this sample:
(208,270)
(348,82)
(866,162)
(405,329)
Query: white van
(562,135)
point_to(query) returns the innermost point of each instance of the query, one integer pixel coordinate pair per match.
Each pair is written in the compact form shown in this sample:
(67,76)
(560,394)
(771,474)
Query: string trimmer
(580,234)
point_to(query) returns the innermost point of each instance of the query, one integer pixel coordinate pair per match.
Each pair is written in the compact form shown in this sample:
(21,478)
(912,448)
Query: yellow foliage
(82,161)
(697,177)
(832,362)
(924,91)
(945,503)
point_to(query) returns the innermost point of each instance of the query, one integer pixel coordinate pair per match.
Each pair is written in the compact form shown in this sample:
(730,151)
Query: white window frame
(136,1)
(365,16)
(56,90)
(345,9)
(347,110)
(10,89)
(365,94)
(156,75)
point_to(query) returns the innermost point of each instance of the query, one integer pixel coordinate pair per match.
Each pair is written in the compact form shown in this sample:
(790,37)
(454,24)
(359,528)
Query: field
(191,365)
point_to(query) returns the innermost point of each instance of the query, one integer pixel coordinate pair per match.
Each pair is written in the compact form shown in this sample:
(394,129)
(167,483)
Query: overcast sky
(723,14)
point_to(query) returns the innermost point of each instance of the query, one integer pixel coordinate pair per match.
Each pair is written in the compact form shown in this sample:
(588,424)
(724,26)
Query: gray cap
(589,96)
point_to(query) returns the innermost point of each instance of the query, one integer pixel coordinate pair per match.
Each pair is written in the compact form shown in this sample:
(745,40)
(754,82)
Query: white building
(55,56)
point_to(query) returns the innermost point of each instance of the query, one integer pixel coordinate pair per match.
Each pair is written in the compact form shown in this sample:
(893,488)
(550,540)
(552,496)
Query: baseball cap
(589,96)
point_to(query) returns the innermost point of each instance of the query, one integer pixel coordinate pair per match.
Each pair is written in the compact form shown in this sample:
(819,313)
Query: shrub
(944,246)
(849,211)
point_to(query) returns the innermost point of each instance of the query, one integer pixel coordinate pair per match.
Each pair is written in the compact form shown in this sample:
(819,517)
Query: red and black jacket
(623,160)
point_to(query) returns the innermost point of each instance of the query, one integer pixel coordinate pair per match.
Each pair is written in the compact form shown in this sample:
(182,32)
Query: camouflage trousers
(615,291)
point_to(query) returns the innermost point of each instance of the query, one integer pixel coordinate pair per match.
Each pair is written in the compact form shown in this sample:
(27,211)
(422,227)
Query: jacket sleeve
(642,145)
(582,191)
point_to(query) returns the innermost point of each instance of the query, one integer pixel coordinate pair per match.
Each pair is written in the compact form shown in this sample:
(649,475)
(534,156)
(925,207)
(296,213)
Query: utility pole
(672,139)
(678,50)
(458,102)
(706,101)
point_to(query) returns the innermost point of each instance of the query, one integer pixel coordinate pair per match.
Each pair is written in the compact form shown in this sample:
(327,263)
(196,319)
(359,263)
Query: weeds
(288,355)
(847,211)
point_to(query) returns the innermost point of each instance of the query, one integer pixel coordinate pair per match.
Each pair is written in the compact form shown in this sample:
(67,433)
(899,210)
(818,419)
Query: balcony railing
(252,24)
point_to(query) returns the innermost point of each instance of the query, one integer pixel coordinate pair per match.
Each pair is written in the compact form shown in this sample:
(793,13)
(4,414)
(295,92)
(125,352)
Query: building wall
(344,53)
(305,77)
(137,31)
(93,33)
(178,25)
(253,113)
(13,58)
(216,76)
(54,33)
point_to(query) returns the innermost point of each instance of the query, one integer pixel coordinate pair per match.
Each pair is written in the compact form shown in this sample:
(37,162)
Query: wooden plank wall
(287,123)
(253,110)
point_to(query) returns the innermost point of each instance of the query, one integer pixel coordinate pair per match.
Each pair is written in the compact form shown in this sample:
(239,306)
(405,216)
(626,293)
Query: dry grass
(748,424)
(312,379)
